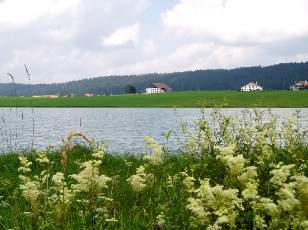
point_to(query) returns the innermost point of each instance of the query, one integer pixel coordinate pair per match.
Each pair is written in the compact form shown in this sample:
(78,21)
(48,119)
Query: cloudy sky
(62,40)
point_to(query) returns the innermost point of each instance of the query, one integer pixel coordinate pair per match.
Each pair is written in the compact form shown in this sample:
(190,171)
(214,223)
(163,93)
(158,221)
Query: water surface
(122,128)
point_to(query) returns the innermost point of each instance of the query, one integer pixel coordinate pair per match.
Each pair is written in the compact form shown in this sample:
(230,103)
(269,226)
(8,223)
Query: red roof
(162,85)
(302,83)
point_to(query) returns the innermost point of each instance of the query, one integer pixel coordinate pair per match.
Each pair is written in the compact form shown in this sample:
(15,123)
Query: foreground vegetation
(267,99)
(230,173)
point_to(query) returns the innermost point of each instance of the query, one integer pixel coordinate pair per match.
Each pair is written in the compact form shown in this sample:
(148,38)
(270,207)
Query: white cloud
(197,56)
(122,36)
(242,21)
(15,13)
(63,40)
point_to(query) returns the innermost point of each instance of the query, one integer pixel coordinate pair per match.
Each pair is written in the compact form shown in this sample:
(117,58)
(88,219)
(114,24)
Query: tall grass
(229,173)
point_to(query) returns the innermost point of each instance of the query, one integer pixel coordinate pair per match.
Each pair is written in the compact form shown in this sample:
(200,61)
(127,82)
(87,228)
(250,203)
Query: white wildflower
(160,219)
(25,164)
(113,220)
(41,158)
(234,163)
(139,180)
(31,191)
(156,151)
(89,178)
(215,202)
(281,174)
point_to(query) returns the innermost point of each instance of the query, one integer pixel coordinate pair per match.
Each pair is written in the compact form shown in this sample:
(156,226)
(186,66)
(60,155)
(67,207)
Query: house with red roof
(299,85)
(158,87)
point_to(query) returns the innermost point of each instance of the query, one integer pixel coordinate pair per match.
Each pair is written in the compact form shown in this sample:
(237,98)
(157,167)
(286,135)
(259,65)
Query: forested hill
(275,77)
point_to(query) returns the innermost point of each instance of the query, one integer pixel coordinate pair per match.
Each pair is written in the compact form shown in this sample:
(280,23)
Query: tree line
(275,77)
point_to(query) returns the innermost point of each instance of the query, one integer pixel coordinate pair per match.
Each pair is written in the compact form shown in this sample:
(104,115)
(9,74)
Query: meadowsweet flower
(41,158)
(251,191)
(156,150)
(197,209)
(160,219)
(24,179)
(98,154)
(25,164)
(249,173)
(89,178)
(31,192)
(260,222)
(234,163)
(58,178)
(113,220)
(280,174)
(226,151)
(139,180)
(189,183)
(213,203)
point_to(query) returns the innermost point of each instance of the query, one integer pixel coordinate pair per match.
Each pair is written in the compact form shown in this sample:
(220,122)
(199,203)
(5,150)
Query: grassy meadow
(244,172)
(232,99)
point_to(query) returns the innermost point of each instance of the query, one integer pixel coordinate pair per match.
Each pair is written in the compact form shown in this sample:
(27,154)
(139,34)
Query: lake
(122,128)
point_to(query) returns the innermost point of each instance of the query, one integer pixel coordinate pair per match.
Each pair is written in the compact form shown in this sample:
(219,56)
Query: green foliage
(276,77)
(230,173)
(130,89)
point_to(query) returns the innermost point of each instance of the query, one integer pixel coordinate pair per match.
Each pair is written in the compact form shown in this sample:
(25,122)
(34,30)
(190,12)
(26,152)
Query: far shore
(189,99)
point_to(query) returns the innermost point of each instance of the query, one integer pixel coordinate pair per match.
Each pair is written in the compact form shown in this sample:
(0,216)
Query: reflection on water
(122,128)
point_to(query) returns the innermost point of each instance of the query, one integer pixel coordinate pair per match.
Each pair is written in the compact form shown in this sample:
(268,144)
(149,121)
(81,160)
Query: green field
(280,99)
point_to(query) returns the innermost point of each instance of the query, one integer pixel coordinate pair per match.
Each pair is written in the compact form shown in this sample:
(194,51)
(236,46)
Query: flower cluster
(214,206)
(139,181)
(25,164)
(156,151)
(89,178)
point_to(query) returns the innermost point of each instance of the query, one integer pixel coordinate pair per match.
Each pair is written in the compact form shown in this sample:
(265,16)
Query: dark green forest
(275,77)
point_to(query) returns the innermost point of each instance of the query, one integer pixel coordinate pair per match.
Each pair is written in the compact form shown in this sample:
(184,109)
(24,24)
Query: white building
(153,90)
(158,88)
(251,86)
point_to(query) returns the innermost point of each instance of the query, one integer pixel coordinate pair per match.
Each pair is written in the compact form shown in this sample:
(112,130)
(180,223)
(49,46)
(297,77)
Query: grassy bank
(283,99)
(242,173)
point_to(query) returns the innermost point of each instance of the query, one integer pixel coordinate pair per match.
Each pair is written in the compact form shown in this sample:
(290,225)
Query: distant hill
(275,77)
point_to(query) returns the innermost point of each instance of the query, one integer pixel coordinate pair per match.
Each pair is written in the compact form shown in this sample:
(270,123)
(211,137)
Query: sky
(64,40)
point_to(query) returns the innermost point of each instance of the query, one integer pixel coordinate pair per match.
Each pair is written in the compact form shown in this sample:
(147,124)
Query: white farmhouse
(251,86)
(158,88)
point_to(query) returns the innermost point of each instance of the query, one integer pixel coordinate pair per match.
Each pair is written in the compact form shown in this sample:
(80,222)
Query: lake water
(122,128)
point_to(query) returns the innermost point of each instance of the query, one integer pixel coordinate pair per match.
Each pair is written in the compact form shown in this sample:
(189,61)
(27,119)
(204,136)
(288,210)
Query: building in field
(45,96)
(158,87)
(299,85)
(251,86)
(89,95)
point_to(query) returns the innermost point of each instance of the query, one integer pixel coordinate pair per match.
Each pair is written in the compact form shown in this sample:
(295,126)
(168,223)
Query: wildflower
(41,158)
(234,163)
(280,174)
(98,155)
(189,183)
(89,178)
(211,202)
(31,192)
(156,151)
(139,180)
(160,219)
(24,164)
(58,178)
(113,220)
(251,191)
